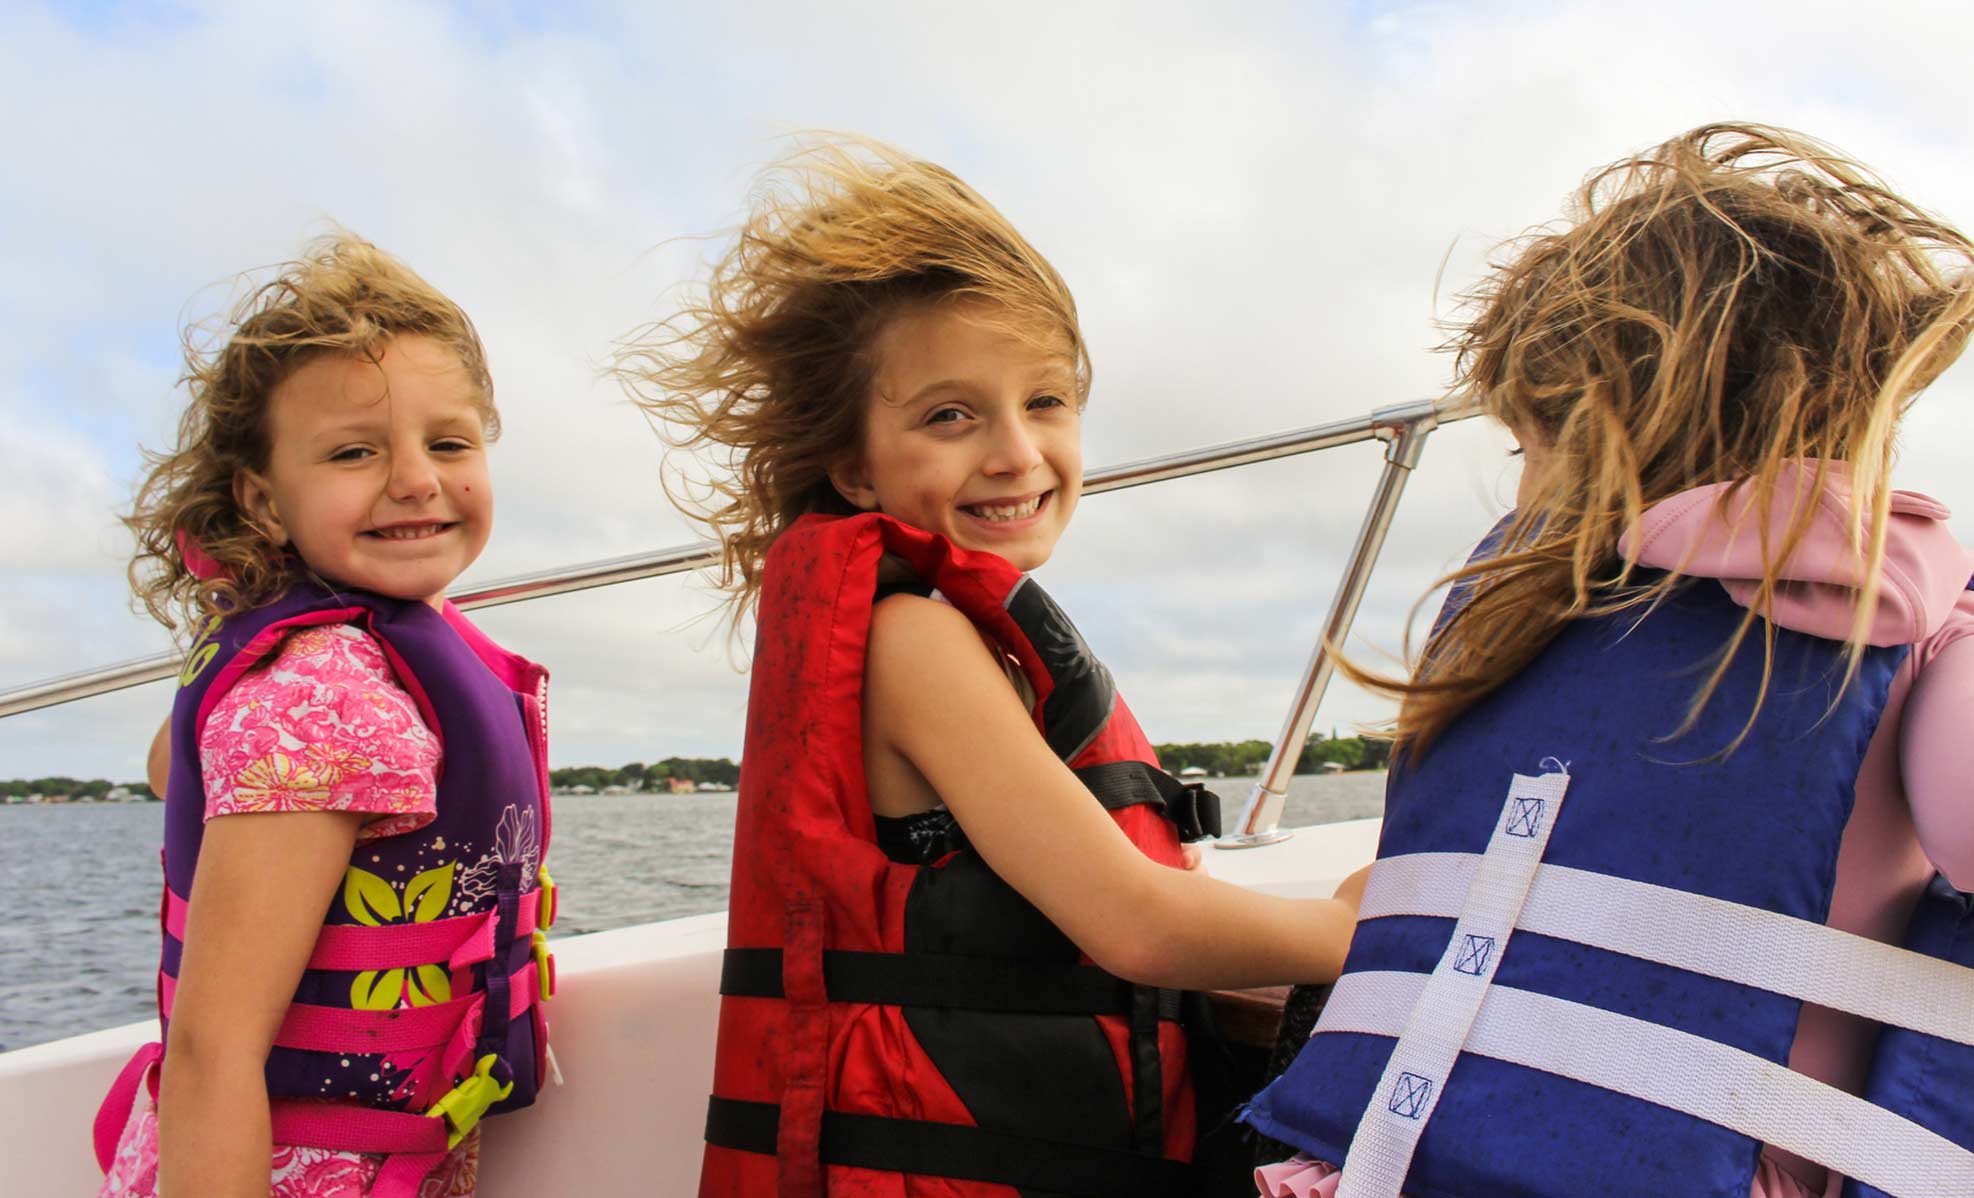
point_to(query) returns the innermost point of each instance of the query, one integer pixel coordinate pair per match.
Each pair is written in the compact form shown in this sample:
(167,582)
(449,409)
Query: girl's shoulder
(930,643)
(922,621)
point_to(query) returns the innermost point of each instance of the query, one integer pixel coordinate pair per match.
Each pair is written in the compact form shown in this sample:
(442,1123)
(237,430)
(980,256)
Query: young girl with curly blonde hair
(342,741)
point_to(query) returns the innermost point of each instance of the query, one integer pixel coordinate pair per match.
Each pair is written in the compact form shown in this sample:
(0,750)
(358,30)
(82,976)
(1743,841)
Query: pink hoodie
(1911,816)
(1916,785)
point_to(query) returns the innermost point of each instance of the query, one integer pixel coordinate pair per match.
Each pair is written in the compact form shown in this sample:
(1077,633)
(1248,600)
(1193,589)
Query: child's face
(377,473)
(972,433)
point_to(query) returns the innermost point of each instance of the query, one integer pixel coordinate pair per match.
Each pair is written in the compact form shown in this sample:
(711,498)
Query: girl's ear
(852,482)
(256,499)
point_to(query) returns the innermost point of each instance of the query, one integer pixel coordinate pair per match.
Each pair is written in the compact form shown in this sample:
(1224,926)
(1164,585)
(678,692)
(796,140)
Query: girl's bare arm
(256,907)
(1935,758)
(937,698)
(157,763)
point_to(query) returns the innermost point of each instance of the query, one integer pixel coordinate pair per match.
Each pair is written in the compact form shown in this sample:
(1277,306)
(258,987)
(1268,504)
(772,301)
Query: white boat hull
(633,1022)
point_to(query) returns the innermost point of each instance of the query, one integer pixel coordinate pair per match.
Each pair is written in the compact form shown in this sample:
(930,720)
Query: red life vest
(898,1029)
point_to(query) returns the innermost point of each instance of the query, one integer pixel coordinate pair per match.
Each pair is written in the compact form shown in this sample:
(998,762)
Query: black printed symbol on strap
(1409,1095)
(1474,954)
(1525,818)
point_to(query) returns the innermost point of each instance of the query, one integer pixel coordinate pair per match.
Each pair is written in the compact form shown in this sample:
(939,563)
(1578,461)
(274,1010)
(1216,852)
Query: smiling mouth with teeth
(997,512)
(408,532)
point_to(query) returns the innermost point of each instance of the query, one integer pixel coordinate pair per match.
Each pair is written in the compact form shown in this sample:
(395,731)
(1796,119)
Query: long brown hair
(770,363)
(1732,301)
(343,296)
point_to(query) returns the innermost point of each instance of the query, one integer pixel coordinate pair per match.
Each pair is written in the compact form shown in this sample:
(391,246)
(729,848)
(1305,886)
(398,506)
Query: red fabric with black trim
(808,874)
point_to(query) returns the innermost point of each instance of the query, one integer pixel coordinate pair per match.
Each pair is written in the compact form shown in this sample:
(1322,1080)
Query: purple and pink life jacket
(420,1009)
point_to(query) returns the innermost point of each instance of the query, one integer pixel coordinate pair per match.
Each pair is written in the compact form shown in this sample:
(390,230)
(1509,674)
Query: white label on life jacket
(1415,1076)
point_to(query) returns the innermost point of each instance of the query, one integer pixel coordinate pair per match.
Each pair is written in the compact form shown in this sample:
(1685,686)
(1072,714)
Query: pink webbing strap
(352,948)
(413,1145)
(342,1029)
(310,1123)
(114,1114)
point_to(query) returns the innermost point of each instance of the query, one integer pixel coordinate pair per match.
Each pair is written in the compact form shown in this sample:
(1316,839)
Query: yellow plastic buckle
(544,966)
(462,1106)
(545,913)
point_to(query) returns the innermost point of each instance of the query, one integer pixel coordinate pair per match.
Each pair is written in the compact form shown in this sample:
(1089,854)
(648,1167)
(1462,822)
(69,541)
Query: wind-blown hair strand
(1737,302)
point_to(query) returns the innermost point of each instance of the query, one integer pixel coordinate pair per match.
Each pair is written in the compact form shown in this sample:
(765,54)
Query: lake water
(79,884)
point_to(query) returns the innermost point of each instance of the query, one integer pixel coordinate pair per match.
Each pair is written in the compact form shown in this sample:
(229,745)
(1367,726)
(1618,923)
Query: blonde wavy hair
(342,296)
(770,363)
(1735,300)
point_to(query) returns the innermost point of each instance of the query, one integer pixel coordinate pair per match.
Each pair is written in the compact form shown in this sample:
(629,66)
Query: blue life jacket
(1584,947)
(1928,1079)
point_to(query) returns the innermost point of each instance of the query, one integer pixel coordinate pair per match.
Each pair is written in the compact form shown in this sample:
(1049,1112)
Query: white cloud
(1252,203)
(57,501)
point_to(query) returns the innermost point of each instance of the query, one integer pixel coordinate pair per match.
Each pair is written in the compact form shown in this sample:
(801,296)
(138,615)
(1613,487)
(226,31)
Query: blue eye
(945,416)
(352,454)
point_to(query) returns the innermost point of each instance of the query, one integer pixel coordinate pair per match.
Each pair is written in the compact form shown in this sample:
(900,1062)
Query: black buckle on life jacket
(1195,810)
(1192,808)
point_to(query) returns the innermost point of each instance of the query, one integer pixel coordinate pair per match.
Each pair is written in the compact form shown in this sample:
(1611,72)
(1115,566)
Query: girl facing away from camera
(1670,892)
(356,811)
(959,921)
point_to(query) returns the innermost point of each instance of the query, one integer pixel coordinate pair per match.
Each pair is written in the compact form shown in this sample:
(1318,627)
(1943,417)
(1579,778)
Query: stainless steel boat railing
(1402,427)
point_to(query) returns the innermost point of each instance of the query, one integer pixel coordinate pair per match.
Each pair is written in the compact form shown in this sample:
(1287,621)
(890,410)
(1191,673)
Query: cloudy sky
(1252,203)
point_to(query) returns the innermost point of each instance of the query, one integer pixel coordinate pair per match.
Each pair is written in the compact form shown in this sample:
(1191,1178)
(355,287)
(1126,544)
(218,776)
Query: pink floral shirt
(323,726)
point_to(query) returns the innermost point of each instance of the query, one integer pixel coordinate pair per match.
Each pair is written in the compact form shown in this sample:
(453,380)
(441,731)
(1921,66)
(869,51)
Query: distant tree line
(1225,758)
(1248,756)
(75,788)
(638,775)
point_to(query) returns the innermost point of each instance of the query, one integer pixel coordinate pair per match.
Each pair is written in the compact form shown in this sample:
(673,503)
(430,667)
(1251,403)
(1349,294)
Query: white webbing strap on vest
(1746,945)
(1699,1077)
(1450,998)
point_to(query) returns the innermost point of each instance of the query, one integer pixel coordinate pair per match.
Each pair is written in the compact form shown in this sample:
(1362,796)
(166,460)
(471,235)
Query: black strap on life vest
(953,982)
(1191,807)
(956,1151)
